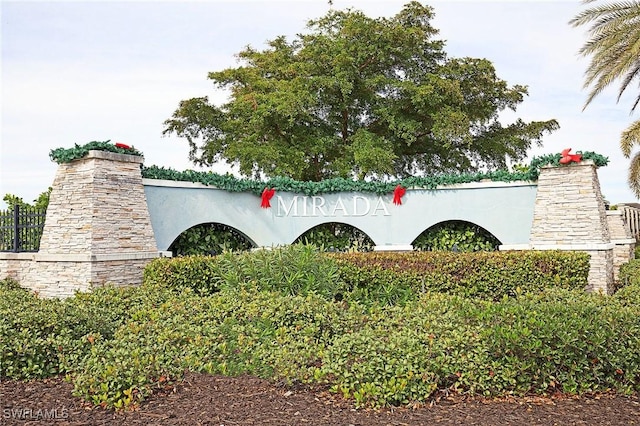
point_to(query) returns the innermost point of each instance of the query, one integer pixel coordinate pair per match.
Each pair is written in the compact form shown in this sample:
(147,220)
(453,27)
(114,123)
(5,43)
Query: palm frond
(614,45)
(629,138)
(634,175)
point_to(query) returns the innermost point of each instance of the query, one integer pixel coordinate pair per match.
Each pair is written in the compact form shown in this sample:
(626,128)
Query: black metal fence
(21,228)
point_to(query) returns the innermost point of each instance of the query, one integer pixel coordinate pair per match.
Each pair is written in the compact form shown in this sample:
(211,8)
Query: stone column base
(62,275)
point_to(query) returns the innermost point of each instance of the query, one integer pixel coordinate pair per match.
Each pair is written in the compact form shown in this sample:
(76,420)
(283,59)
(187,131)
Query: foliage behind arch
(456,235)
(334,236)
(210,239)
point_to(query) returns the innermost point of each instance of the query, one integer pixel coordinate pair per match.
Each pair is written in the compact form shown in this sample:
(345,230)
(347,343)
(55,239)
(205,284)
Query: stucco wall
(503,209)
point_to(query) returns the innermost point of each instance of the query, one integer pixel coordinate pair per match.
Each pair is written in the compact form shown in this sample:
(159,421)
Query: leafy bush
(560,340)
(209,239)
(44,337)
(145,353)
(201,273)
(119,346)
(489,275)
(336,237)
(292,270)
(629,273)
(29,327)
(629,294)
(377,277)
(402,354)
(572,342)
(235,332)
(456,236)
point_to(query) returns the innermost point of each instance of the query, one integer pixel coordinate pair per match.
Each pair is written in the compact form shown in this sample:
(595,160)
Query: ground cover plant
(277,315)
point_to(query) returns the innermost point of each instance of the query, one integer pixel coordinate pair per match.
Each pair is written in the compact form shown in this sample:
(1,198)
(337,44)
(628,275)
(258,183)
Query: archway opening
(338,237)
(456,235)
(210,239)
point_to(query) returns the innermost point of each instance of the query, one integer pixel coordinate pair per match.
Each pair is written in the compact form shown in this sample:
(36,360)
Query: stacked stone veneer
(570,214)
(97,230)
(622,239)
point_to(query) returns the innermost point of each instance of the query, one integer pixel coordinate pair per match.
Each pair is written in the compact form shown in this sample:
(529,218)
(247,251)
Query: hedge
(487,275)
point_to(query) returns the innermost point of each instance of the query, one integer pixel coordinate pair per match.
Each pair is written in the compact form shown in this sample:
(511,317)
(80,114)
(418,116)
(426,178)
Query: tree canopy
(356,96)
(614,49)
(41,203)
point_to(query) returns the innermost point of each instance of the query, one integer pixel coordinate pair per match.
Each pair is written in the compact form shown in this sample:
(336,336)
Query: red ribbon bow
(121,145)
(267,195)
(398,193)
(568,158)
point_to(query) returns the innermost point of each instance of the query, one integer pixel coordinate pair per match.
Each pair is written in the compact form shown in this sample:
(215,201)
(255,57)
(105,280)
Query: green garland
(64,155)
(554,160)
(231,183)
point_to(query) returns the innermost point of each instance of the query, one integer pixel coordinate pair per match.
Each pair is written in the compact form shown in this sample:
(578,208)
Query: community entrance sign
(503,209)
(105,223)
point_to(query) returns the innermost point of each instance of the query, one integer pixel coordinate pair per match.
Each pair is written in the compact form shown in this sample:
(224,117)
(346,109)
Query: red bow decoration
(568,158)
(121,145)
(398,193)
(267,195)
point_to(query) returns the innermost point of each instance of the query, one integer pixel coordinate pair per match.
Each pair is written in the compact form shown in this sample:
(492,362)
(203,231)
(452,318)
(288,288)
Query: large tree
(614,48)
(357,96)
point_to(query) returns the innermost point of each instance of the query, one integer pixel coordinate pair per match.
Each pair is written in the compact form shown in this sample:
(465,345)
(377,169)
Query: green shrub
(378,277)
(456,236)
(201,273)
(118,346)
(291,270)
(376,284)
(145,353)
(629,295)
(9,284)
(402,354)
(44,337)
(209,239)
(488,275)
(559,340)
(629,273)
(337,237)
(28,330)
(568,341)
(237,332)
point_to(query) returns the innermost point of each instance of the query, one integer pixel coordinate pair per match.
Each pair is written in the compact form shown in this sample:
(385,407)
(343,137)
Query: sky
(79,71)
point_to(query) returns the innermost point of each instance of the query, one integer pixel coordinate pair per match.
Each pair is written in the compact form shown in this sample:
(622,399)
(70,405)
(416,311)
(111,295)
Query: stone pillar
(569,214)
(97,230)
(624,243)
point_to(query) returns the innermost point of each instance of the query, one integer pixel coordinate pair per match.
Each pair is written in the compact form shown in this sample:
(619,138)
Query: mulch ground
(215,400)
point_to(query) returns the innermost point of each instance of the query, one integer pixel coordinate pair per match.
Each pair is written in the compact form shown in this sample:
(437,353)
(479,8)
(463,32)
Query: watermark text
(25,413)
